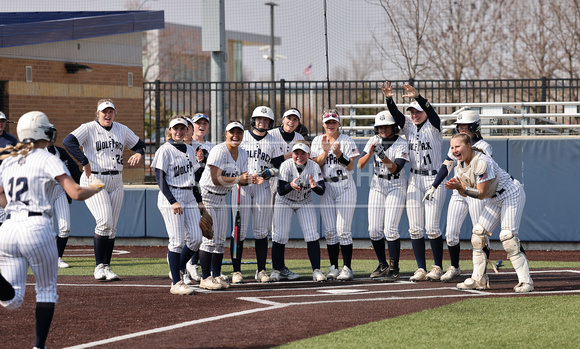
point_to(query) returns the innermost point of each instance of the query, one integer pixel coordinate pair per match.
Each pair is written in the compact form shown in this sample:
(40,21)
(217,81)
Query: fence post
(282,97)
(157,114)
(352,121)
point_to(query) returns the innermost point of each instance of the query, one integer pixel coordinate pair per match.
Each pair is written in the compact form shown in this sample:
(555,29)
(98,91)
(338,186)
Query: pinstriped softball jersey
(387,196)
(256,198)
(299,201)
(459,206)
(505,204)
(424,155)
(214,195)
(104,150)
(179,168)
(338,202)
(285,147)
(29,184)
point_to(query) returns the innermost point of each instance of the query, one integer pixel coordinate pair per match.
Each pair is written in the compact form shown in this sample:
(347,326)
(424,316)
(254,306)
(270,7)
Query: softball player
(179,200)
(423,132)
(336,153)
(27,182)
(468,122)
(299,176)
(387,193)
(228,166)
(103,142)
(61,204)
(199,129)
(480,177)
(264,158)
(6,139)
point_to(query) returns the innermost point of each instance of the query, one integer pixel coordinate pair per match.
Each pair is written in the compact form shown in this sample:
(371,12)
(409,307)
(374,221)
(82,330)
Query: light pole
(272,55)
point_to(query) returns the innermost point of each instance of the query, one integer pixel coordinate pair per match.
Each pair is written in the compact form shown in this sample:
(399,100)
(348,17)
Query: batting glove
(430,194)
(268,173)
(97,184)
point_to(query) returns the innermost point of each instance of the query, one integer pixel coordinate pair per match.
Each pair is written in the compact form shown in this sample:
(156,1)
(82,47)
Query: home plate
(342,291)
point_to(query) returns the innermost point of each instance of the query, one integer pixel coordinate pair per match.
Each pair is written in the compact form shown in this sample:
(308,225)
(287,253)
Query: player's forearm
(364,160)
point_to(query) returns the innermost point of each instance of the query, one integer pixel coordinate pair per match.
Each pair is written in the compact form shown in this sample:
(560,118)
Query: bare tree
(406,27)
(567,35)
(463,37)
(362,64)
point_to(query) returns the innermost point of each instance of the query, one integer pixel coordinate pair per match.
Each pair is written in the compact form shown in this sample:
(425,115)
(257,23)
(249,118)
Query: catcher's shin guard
(511,244)
(479,242)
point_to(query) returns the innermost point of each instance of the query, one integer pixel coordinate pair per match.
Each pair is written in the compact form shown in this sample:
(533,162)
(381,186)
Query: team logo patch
(22,161)
(382,117)
(264,111)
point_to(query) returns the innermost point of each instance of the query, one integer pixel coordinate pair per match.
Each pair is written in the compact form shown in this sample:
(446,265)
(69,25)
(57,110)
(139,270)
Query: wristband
(343,160)
(471,192)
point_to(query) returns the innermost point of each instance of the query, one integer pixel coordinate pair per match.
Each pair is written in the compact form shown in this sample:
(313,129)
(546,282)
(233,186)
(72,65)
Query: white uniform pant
(62,213)
(506,208)
(457,211)
(384,213)
(257,200)
(424,216)
(105,206)
(216,207)
(183,228)
(29,241)
(305,214)
(337,208)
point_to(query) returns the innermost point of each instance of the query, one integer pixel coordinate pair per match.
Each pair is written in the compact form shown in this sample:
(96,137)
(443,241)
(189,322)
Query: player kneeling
(298,178)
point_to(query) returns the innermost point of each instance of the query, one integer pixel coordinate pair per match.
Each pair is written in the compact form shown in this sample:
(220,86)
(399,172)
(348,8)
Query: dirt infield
(140,312)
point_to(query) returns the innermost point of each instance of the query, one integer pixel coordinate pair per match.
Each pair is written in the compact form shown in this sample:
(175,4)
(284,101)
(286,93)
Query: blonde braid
(19,149)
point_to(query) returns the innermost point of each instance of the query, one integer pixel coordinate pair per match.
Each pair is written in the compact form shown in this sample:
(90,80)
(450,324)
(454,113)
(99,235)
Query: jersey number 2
(21,187)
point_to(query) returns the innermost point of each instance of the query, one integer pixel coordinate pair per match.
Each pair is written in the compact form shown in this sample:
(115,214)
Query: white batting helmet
(471,118)
(264,112)
(385,118)
(34,126)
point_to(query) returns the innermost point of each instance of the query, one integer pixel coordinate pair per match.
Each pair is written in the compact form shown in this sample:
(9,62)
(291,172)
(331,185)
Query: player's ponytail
(18,149)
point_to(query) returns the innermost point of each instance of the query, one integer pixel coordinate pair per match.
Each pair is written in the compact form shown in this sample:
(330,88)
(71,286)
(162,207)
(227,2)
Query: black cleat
(392,275)
(380,272)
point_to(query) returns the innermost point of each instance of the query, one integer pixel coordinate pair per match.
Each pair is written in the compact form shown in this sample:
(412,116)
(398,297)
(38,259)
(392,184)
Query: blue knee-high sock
(173,259)
(195,257)
(100,245)
(61,245)
(278,255)
(394,250)
(109,252)
(185,256)
(44,314)
(205,262)
(261,247)
(437,249)
(216,264)
(236,263)
(454,252)
(313,248)
(419,252)
(333,251)
(379,247)
(346,254)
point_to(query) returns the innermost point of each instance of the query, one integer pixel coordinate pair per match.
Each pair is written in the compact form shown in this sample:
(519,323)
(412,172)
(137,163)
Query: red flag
(308,70)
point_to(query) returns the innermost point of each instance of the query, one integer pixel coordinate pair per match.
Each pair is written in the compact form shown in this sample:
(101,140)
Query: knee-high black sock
(216,264)
(419,252)
(313,248)
(185,256)
(195,257)
(6,289)
(61,245)
(454,252)
(346,254)
(237,263)
(205,262)
(173,259)
(333,251)
(100,248)
(394,250)
(44,313)
(110,247)
(261,246)
(437,250)
(379,247)
(278,255)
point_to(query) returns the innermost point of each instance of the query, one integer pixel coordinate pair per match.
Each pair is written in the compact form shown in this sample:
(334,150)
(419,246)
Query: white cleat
(434,274)
(332,273)
(100,272)
(237,278)
(62,264)
(181,288)
(345,274)
(419,275)
(472,284)
(318,276)
(262,276)
(109,274)
(210,283)
(523,287)
(451,273)
(275,276)
(193,271)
